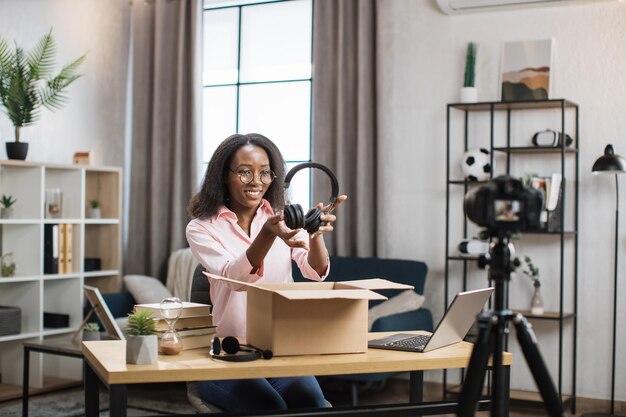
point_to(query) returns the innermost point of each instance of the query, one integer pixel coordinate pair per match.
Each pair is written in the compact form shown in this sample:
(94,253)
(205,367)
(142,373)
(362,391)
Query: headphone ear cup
(231,345)
(216,346)
(294,217)
(312,220)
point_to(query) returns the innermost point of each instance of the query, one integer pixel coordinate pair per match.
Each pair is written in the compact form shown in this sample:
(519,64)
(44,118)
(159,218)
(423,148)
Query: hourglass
(171,309)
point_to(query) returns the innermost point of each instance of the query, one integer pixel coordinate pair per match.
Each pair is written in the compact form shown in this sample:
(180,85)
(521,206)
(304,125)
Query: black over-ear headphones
(294,215)
(232,348)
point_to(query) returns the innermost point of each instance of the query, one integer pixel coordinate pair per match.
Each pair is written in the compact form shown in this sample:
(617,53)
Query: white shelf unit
(23,234)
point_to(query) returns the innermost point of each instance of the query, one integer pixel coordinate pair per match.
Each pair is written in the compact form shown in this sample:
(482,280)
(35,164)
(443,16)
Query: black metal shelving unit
(568,155)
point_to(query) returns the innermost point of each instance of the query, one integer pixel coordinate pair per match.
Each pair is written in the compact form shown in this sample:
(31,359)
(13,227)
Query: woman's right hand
(277,227)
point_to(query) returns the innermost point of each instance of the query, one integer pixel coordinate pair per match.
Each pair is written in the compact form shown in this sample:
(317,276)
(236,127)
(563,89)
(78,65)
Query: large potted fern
(27,83)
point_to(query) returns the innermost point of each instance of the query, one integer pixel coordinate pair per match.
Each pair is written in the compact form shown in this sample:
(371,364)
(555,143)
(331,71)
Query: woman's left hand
(327,217)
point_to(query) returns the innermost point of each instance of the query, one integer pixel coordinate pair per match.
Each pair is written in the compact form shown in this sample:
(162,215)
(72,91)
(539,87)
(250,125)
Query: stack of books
(194,326)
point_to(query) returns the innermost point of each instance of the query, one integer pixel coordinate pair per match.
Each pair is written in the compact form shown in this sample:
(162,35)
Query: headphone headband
(331,175)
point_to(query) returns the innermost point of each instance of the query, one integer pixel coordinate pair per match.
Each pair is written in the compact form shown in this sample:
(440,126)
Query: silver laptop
(451,329)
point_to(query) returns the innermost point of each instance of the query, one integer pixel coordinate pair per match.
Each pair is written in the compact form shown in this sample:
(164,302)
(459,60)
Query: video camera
(504,205)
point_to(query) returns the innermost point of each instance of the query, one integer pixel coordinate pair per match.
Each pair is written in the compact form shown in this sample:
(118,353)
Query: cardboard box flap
(352,294)
(373,284)
(233,281)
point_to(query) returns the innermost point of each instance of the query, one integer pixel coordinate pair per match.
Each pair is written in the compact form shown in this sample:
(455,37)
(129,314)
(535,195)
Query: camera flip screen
(507,210)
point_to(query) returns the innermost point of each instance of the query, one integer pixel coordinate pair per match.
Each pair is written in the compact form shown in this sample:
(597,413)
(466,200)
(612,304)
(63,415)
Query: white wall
(422,55)
(94,117)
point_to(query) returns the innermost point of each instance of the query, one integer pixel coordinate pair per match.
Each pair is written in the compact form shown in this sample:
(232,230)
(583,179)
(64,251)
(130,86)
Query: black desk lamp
(610,163)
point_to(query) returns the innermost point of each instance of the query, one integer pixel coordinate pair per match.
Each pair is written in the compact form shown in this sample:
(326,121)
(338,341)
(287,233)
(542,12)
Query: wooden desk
(106,360)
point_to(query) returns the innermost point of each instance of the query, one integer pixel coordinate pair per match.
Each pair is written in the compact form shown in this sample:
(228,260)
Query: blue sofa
(345,268)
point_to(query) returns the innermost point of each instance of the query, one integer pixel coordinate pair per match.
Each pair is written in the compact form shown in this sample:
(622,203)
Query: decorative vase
(17,150)
(469,95)
(6,212)
(141,350)
(536,303)
(54,203)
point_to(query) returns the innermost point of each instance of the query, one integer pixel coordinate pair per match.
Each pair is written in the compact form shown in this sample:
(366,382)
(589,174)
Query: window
(257,78)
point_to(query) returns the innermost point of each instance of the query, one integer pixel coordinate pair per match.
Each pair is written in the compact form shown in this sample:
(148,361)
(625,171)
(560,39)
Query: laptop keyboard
(416,343)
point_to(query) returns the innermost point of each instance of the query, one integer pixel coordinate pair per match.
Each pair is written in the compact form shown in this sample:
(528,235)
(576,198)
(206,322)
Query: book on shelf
(540,184)
(185,322)
(51,249)
(555,203)
(58,248)
(189,309)
(68,250)
(551,189)
(197,341)
(61,239)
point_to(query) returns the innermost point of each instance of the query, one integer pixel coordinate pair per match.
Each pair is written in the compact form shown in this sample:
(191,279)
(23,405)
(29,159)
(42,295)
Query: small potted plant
(141,339)
(469,93)
(532,272)
(27,83)
(8,266)
(91,331)
(6,212)
(94,209)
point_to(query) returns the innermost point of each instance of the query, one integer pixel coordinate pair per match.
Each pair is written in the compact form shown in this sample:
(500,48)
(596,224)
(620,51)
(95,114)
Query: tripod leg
(500,387)
(528,342)
(473,384)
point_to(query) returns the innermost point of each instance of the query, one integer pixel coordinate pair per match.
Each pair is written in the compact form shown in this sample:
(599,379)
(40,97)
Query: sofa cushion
(146,289)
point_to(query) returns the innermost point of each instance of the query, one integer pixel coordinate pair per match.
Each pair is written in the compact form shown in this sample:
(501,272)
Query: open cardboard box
(302,318)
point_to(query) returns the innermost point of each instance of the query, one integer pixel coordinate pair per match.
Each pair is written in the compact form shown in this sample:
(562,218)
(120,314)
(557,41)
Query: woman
(238,231)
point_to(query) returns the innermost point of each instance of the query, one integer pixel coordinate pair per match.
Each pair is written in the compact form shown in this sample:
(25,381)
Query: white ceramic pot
(94,213)
(90,335)
(6,213)
(469,95)
(142,350)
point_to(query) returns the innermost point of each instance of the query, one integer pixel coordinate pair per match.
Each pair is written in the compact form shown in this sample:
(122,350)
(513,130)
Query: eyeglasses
(246,176)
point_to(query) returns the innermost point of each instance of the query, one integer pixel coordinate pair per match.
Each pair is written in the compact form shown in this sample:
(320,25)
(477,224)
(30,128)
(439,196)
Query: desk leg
(416,387)
(92,394)
(25,382)
(117,400)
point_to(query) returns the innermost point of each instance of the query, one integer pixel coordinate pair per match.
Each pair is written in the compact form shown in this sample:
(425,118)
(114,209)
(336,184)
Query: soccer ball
(476,165)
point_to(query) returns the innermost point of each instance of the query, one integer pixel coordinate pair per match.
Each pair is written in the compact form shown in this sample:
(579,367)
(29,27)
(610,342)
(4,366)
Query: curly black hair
(214,191)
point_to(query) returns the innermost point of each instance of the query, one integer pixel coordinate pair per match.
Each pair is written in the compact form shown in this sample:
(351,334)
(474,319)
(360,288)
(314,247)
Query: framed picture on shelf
(526,70)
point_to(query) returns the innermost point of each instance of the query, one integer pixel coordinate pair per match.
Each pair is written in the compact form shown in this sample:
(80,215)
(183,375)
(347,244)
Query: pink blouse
(220,245)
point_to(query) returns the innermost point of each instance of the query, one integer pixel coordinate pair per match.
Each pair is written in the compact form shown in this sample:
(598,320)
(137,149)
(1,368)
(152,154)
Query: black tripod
(493,327)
